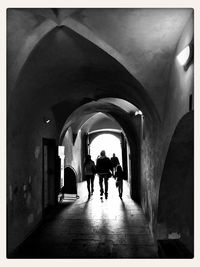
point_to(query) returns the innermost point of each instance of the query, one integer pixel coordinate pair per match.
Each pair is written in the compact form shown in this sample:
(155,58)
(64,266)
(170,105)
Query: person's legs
(88,184)
(101,184)
(92,184)
(120,188)
(106,186)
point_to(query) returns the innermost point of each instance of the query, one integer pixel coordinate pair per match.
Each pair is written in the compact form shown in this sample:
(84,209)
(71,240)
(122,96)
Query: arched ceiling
(65,71)
(51,63)
(92,113)
(89,115)
(101,121)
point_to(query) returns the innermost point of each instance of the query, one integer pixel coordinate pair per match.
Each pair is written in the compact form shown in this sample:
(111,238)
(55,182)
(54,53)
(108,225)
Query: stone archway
(77,127)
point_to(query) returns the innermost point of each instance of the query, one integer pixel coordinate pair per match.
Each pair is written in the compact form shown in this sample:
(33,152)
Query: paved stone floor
(94,228)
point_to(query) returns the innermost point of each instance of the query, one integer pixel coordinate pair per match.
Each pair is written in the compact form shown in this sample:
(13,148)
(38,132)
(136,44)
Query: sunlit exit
(61,154)
(109,143)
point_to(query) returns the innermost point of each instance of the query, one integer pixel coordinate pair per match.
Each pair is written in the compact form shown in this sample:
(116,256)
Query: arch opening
(107,142)
(115,117)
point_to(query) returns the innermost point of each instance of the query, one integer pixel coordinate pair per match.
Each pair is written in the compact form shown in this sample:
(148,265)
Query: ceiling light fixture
(46,120)
(138,112)
(185,56)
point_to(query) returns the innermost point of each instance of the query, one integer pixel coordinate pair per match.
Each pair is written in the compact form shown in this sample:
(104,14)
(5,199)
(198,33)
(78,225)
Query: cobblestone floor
(92,228)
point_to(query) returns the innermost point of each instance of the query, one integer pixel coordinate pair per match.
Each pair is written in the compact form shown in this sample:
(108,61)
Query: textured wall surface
(177,178)
(73,155)
(156,141)
(24,173)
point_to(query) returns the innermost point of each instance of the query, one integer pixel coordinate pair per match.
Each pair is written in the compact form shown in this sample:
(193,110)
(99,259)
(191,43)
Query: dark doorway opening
(51,173)
(69,181)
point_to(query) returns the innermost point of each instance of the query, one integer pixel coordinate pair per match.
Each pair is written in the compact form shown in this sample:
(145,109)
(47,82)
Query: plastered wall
(177,180)
(24,175)
(156,139)
(73,152)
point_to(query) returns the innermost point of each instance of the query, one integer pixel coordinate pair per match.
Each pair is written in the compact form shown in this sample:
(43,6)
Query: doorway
(50,173)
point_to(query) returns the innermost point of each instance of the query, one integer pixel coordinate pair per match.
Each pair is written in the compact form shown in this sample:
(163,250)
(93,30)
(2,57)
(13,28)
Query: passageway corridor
(111,228)
(74,75)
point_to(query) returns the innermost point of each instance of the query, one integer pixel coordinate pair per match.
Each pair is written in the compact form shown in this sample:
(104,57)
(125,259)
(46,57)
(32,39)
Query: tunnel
(73,76)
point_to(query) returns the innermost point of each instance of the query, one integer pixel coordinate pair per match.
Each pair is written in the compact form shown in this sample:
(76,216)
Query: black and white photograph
(100,133)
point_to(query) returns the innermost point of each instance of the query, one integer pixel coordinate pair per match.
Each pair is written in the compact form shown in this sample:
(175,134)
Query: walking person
(89,171)
(115,162)
(104,170)
(119,180)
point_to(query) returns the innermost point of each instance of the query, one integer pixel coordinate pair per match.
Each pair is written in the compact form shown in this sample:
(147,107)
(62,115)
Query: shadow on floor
(92,228)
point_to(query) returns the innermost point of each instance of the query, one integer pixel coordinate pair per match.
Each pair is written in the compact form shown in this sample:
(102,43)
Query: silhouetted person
(103,167)
(115,162)
(119,179)
(89,171)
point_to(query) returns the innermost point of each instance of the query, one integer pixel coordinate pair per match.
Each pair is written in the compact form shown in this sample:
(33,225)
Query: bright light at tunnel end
(107,142)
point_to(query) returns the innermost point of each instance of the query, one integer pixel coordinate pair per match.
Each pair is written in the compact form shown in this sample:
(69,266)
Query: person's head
(119,168)
(113,154)
(103,153)
(88,158)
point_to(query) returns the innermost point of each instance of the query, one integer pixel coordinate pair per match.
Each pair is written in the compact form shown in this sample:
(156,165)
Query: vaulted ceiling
(59,58)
